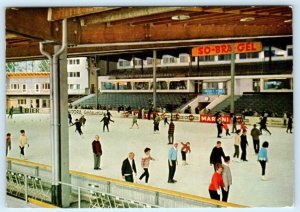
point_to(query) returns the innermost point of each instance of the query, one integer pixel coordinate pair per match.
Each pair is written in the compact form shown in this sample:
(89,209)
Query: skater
(134,121)
(82,120)
(244,144)
(290,124)
(8,143)
(243,127)
(70,118)
(109,116)
(156,123)
(106,121)
(128,167)
(234,122)
(11,112)
(145,164)
(172,163)
(225,127)
(184,150)
(255,133)
(216,154)
(263,124)
(78,126)
(237,142)
(97,150)
(216,183)
(165,119)
(263,158)
(227,179)
(22,144)
(171,132)
(219,126)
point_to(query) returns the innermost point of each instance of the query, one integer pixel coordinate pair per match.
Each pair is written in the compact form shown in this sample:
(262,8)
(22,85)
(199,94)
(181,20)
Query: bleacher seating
(139,100)
(269,102)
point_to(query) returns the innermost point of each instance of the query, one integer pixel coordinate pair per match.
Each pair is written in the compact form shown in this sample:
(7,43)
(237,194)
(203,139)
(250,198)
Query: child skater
(184,150)
(225,126)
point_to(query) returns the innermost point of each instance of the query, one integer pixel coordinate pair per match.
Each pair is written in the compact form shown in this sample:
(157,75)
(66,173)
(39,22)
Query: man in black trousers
(128,167)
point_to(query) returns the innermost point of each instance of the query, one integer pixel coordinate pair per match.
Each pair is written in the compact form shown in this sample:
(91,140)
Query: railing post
(37,171)
(26,188)
(79,199)
(9,164)
(156,198)
(108,187)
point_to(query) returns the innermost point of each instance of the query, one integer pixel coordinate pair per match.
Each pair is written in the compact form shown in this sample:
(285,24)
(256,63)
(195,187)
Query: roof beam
(55,14)
(29,22)
(126,13)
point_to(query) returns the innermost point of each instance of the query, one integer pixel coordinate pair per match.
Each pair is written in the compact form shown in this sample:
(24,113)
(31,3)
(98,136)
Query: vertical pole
(97,91)
(79,199)
(232,67)
(154,79)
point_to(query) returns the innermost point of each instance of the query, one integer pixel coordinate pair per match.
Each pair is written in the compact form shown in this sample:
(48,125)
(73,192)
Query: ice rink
(247,188)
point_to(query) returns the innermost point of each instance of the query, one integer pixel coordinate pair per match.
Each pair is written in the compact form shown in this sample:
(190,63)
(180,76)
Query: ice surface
(247,188)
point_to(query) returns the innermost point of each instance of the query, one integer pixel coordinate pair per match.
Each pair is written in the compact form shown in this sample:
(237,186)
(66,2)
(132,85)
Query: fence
(27,179)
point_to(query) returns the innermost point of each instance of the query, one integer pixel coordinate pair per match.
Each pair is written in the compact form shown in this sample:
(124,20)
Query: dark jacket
(126,167)
(171,128)
(97,147)
(105,120)
(216,154)
(244,141)
(255,133)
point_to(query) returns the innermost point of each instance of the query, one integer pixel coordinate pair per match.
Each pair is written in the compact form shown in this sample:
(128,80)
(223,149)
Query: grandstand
(138,100)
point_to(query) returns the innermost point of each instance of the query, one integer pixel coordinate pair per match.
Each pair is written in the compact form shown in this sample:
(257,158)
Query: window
(21,101)
(45,103)
(224,57)
(77,61)
(183,59)
(207,58)
(267,53)
(277,84)
(24,89)
(74,86)
(46,86)
(123,63)
(37,88)
(137,62)
(74,74)
(290,52)
(149,61)
(249,55)
(15,86)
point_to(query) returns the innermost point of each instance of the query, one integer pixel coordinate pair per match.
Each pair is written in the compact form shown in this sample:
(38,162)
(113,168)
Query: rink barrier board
(132,185)
(41,204)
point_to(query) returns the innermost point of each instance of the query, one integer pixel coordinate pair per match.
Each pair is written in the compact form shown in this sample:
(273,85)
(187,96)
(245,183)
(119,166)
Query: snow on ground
(247,188)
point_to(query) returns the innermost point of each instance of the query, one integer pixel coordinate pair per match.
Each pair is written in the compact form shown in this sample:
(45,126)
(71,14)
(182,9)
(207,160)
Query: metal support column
(232,68)
(154,79)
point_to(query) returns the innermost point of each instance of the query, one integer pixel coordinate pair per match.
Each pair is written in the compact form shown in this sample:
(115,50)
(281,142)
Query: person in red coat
(216,183)
(97,150)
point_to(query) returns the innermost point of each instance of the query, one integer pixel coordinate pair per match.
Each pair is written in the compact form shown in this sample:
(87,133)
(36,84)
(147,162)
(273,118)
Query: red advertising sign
(210,118)
(225,48)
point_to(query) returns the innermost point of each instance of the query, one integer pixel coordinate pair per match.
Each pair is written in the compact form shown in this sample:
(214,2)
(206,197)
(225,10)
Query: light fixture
(247,19)
(288,21)
(180,17)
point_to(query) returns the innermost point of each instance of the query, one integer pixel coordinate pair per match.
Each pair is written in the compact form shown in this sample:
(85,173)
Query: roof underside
(119,30)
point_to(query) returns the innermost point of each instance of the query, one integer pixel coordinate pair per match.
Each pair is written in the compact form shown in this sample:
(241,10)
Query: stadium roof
(118,30)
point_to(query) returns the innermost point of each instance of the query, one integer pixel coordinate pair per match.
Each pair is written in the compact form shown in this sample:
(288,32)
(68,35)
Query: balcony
(27,91)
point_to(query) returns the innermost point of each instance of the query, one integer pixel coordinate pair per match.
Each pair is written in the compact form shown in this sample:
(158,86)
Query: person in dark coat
(244,144)
(219,126)
(234,122)
(78,126)
(128,167)
(105,121)
(97,150)
(70,118)
(216,154)
(255,133)
(263,125)
(290,124)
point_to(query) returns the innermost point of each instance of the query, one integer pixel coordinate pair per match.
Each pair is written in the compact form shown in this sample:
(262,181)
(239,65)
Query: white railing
(28,91)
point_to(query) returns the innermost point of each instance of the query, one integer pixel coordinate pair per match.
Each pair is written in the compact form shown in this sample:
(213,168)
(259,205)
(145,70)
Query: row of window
(74,74)
(185,58)
(73,61)
(38,87)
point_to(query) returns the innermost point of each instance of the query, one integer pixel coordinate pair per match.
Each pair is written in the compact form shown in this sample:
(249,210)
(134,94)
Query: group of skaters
(82,120)
(222,179)
(23,142)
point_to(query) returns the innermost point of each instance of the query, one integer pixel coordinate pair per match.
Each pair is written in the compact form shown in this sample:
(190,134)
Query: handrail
(138,186)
